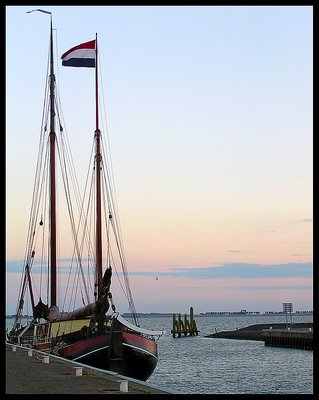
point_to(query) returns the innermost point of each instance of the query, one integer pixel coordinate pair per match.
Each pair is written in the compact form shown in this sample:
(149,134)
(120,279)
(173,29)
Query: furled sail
(56,315)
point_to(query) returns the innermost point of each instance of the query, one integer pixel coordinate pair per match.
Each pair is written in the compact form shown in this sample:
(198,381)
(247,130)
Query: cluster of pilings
(184,327)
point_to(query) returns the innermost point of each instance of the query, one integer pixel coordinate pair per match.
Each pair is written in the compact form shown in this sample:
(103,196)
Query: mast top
(43,11)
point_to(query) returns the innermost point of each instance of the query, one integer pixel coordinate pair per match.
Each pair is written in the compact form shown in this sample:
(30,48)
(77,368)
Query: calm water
(199,365)
(202,365)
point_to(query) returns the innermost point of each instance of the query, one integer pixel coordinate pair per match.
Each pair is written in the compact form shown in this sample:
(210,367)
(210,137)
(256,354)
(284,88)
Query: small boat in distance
(92,332)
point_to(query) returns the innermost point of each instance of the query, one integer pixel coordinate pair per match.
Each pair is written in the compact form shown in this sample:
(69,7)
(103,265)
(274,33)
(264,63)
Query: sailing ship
(93,332)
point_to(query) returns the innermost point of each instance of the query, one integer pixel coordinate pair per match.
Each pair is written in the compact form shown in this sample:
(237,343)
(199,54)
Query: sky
(210,120)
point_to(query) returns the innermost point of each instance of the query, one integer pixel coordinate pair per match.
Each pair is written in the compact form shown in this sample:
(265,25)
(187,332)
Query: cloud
(286,287)
(255,287)
(225,271)
(238,270)
(38,266)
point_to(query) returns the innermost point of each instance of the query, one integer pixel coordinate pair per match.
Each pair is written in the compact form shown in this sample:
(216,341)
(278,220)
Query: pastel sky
(210,119)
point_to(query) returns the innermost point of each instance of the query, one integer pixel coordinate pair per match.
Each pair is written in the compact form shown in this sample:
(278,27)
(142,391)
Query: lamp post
(287,308)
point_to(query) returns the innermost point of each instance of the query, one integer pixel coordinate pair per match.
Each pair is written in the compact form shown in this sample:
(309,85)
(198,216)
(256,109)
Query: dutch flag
(82,55)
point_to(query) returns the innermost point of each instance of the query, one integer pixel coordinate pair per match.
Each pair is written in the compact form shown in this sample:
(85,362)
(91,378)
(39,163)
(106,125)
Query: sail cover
(56,315)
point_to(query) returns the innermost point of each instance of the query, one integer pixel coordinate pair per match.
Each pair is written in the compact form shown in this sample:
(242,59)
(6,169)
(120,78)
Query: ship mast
(52,211)
(98,160)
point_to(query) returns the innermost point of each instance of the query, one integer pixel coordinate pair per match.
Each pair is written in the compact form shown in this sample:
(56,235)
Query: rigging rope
(80,231)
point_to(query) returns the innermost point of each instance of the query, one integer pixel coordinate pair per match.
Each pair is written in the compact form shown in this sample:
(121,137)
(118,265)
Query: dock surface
(30,375)
(255,332)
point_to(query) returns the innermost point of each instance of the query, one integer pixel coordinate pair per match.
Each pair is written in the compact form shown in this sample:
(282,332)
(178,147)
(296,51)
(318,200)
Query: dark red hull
(131,354)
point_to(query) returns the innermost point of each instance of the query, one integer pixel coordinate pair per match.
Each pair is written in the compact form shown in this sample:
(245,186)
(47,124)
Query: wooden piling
(186,327)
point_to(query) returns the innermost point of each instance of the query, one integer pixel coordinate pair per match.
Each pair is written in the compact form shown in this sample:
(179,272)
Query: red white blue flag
(82,55)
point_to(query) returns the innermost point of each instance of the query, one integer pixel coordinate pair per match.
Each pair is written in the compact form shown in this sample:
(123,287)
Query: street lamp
(287,308)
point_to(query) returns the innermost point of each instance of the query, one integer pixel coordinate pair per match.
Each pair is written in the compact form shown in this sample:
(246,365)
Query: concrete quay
(34,372)
(256,332)
(293,338)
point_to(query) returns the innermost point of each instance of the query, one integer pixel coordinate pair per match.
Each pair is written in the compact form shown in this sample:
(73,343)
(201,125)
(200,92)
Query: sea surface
(199,365)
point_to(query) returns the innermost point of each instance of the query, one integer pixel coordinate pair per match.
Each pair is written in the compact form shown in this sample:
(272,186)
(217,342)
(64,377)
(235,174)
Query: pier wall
(293,338)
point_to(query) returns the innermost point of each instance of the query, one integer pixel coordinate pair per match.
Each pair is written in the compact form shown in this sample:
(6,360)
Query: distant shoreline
(208,314)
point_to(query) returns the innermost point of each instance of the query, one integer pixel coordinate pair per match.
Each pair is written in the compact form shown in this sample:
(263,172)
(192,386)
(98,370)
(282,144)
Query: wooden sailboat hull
(87,334)
(119,349)
(134,355)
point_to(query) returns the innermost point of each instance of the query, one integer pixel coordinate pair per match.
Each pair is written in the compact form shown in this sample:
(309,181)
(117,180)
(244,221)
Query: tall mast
(52,137)
(98,158)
